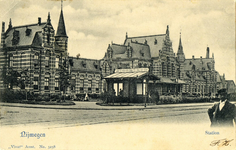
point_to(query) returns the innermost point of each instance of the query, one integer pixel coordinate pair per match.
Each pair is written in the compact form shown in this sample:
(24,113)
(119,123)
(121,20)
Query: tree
(64,80)
(11,78)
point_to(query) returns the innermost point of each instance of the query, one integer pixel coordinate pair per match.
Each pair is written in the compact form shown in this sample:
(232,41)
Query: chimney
(39,21)
(3,35)
(207,52)
(3,27)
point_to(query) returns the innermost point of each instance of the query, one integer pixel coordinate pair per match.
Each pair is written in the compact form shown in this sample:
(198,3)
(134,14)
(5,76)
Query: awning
(171,81)
(181,81)
(166,80)
(126,75)
(131,73)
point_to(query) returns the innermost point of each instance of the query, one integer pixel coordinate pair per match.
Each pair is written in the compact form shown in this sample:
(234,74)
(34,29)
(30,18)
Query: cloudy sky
(92,24)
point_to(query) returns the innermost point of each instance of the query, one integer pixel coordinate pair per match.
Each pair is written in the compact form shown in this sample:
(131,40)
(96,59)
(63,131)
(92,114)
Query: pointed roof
(180,49)
(10,24)
(61,29)
(49,19)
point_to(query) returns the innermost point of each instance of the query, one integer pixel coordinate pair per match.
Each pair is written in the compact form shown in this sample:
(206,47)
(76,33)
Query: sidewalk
(93,106)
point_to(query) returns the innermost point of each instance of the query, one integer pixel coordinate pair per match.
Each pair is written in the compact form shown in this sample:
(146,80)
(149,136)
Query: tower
(48,32)
(61,37)
(180,53)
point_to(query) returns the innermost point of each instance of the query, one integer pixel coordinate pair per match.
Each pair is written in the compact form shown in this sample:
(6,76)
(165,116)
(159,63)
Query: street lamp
(145,91)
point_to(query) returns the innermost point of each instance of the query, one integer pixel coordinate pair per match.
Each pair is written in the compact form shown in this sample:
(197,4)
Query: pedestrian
(223,112)
(86,97)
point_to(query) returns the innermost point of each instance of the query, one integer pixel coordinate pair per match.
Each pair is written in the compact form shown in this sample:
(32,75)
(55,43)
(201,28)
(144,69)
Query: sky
(93,24)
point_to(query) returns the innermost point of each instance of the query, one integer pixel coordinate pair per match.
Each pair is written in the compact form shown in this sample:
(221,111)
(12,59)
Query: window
(97,86)
(89,86)
(46,61)
(46,83)
(164,69)
(48,38)
(21,59)
(36,60)
(72,83)
(10,61)
(81,86)
(155,42)
(36,56)
(118,87)
(56,84)
(57,62)
(36,79)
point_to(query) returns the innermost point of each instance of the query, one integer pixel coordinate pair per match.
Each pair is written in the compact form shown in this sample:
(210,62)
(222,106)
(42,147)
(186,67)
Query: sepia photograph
(117,74)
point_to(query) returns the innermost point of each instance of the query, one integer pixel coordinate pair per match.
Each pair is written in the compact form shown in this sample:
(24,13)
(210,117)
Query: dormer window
(145,42)
(27,32)
(95,65)
(16,37)
(155,42)
(142,53)
(84,64)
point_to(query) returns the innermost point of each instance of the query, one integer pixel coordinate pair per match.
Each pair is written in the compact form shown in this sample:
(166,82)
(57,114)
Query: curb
(71,108)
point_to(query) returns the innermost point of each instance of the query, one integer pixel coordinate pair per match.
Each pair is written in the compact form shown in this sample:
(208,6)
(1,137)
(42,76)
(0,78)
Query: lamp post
(145,91)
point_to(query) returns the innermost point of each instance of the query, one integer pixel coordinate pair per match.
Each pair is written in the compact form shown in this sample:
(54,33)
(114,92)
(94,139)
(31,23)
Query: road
(67,117)
(164,127)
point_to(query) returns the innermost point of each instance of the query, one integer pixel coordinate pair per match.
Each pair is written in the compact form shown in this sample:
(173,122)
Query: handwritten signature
(222,142)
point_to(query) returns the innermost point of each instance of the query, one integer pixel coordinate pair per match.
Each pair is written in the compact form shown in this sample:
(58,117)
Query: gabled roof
(85,65)
(203,64)
(138,51)
(154,48)
(230,82)
(23,39)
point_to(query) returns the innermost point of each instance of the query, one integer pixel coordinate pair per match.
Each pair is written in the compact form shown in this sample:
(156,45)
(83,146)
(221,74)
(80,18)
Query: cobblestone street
(77,117)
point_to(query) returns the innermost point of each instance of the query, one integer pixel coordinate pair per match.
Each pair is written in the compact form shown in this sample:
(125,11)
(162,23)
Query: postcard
(117,74)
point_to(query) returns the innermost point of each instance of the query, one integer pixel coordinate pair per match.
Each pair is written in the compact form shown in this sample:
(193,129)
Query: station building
(40,50)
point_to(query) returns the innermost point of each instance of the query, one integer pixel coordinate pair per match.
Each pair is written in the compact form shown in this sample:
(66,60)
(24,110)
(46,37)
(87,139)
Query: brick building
(40,50)
(178,75)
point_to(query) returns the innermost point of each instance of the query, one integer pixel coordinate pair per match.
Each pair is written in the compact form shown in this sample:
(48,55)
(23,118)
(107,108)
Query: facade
(38,51)
(178,75)
(230,86)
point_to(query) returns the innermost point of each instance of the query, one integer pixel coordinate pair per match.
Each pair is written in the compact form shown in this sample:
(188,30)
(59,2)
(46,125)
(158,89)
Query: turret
(167,30)
(61,37)
(180,53)
(49,19)
(10,24)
